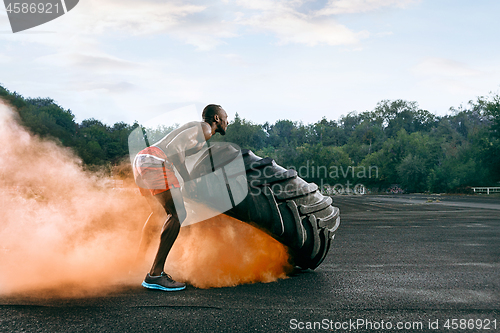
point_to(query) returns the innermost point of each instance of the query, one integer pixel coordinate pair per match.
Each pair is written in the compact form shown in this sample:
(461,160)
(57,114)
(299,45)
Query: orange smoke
(61,227)
(224,252)
(66,232)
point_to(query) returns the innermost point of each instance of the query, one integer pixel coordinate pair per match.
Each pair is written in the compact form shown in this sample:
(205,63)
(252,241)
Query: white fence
(486,190)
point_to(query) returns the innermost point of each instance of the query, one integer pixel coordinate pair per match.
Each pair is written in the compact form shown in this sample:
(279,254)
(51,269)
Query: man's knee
(171,228)
(172,203)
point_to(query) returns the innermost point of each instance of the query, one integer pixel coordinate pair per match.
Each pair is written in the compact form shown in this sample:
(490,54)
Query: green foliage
(492,110)
(395,143)
(47,119)
(95,142)
(329,133)
(244,133)
(399,114)
(454,174)
(412,173)
(158,133)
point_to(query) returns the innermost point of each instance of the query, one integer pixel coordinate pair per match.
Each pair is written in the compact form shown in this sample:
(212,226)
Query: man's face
(222,123)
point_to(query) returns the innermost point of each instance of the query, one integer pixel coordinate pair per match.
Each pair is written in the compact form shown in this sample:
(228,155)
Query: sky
(127,60)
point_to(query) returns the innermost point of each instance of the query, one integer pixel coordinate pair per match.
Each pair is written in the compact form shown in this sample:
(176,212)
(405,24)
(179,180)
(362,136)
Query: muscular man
(156,179)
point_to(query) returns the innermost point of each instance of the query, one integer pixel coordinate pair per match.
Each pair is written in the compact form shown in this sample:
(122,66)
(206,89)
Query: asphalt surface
(399,260)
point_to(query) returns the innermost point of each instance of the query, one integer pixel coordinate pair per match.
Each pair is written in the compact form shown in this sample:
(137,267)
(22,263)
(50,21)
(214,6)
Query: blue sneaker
(163,282)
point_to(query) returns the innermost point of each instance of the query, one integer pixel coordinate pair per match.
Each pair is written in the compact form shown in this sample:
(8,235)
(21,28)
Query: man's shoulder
(206,129)
(194,124)
(191,124)
(200,129)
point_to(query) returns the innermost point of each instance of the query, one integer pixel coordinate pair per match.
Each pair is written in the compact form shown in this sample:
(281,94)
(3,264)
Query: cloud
(208,24)
(200,25)
(118,87)
(290,25)
(336,7)
(451,76)
(195,24)
(4,58)
(88,61)
(384,33)
(132,16)
(309,22)
(236,59)
(441,67)
(95,62)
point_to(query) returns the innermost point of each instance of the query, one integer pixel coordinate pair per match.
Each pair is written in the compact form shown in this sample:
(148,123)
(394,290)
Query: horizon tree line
(410,147)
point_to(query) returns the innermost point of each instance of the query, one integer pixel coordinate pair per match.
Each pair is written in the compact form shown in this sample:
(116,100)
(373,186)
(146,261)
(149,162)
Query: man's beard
(220,130)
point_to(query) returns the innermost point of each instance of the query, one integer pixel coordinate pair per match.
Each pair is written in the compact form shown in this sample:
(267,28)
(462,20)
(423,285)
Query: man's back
(187,139)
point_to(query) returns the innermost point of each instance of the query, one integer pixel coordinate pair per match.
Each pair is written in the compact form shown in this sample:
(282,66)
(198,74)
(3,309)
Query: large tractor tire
(288,208)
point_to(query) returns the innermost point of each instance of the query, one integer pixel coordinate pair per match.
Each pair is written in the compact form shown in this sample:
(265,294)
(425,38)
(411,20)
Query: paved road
(403,260)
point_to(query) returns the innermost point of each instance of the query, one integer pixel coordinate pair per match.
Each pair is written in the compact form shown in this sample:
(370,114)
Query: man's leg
(174,213)
(173,205)
(152,226)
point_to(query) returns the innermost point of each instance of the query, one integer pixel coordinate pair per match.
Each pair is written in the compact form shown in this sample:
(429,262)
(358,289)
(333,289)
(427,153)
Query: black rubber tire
(284,205)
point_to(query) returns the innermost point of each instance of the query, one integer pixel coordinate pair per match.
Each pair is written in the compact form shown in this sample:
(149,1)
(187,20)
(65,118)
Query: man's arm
(179,162)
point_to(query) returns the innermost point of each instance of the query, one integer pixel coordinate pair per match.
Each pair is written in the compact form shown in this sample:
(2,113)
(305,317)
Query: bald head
(216,117)
(210,111)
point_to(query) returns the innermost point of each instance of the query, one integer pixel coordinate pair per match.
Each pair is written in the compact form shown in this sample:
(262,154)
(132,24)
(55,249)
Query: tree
(326,132)
(282,134)
(396,141)
(412,174)
(492,144)
(243,133)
